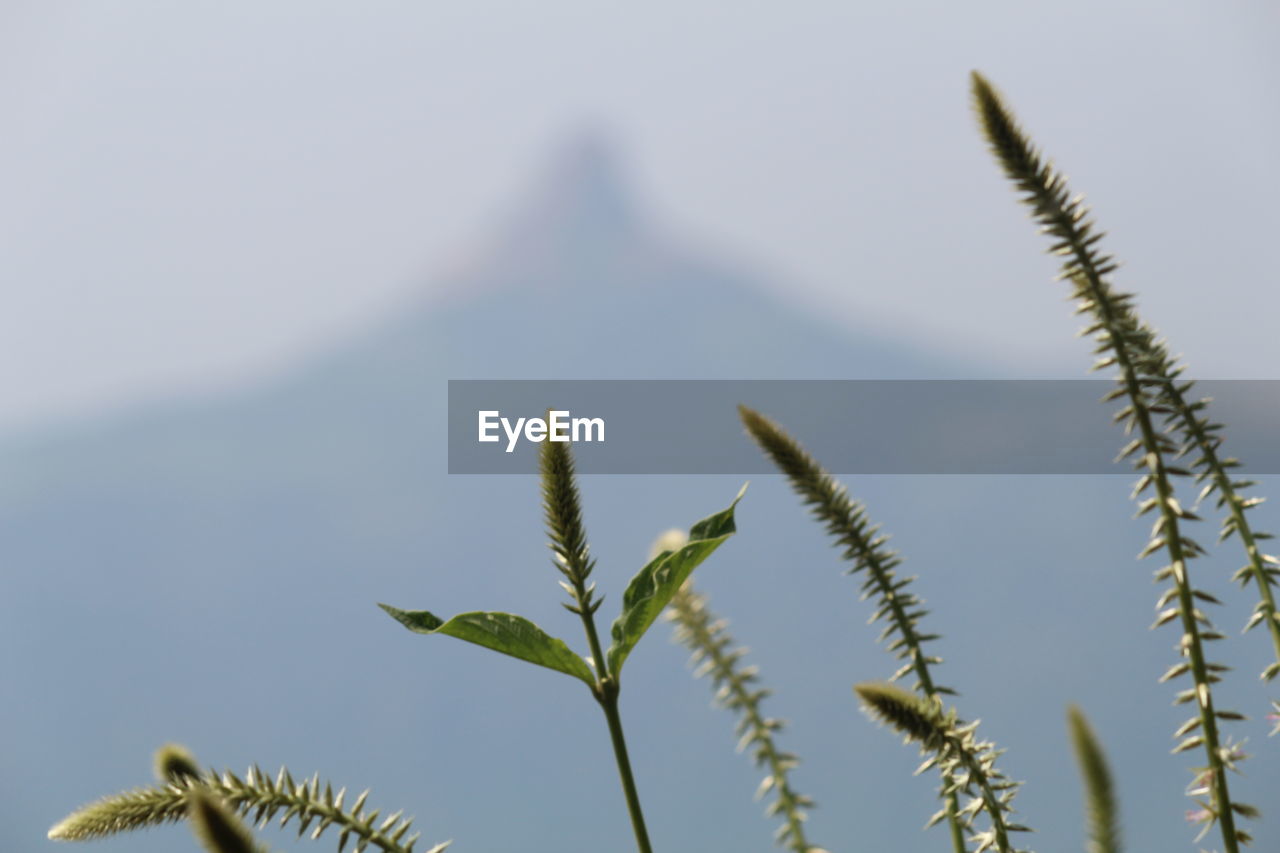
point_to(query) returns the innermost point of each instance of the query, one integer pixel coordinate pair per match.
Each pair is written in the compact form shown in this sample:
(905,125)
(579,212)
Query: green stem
(569,543)
(990,799)
(598,660)
(1191,645)
(706,636)
(608,698)
(921,666)
(1226,490)
(1257,566)
(953,818)
(1141,360)
(606,693)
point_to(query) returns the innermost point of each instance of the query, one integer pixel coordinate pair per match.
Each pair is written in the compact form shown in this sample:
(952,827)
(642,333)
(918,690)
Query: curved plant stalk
(1103,816)
(706,637)
(846,520)
(303,803)
(952,745)
(1127,344)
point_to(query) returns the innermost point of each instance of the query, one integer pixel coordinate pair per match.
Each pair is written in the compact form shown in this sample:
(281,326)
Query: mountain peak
(586,184)
(583,200)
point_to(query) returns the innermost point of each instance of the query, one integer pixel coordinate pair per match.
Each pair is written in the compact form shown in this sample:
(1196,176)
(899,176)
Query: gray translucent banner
(852,426)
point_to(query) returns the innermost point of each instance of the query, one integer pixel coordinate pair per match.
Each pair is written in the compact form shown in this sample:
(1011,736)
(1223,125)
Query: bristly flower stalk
(1100,795)
(713,653)
(952,745)
(1124,342)
(866,547)
(563,511)
(257,797)
(1202,436)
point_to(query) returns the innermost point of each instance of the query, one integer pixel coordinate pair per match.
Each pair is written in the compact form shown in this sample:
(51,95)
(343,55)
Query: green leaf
(652,587)
(503,632)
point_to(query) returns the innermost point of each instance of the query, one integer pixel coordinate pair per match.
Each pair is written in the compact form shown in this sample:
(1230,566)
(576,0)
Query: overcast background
(198,193)
(245,245)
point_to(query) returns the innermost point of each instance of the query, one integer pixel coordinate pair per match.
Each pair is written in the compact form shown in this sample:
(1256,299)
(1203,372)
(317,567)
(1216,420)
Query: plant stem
(606,693)
(1191,644)
(906,629)
(569,543)
(953,820)
(847,521)
(608,698)
(1142,364)
(1194,428)
(708,639)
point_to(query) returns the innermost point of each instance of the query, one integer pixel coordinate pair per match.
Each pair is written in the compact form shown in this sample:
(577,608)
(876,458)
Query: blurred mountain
(206,572)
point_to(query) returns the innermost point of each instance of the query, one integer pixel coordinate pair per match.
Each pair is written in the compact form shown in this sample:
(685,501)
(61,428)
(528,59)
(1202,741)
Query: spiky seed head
(1007,141)
(176,765)
(562,508)
(918,718)
(120,813)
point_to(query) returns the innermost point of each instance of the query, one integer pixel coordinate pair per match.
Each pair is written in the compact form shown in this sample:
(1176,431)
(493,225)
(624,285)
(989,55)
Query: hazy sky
(194,193)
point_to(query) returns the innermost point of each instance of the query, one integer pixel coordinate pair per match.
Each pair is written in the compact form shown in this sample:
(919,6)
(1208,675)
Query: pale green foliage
(503,632)
(655,584)
(645,597)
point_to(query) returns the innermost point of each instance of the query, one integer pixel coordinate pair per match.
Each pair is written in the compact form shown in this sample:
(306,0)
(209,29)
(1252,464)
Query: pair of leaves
(645,598)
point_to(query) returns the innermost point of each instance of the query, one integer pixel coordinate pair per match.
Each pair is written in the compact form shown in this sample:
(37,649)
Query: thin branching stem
(714,654)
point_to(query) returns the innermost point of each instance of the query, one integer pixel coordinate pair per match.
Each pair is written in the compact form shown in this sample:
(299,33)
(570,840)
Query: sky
(197,195)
